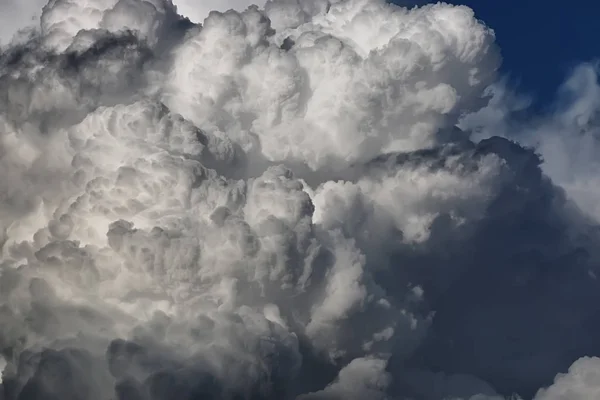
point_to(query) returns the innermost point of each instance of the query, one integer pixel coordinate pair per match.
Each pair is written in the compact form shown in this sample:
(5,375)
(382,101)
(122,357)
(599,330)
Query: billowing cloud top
(275,202)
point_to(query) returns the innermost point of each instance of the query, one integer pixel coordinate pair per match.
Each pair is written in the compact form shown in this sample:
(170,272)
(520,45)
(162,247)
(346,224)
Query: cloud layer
(297,200)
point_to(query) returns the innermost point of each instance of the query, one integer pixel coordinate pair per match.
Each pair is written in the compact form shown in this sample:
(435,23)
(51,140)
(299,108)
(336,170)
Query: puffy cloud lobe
(581,382)
(273,204)
(198,11)
(449,185)
(336,95)
(63,21)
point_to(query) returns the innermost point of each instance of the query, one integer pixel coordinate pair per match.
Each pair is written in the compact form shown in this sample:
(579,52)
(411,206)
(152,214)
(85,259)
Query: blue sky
(541,40)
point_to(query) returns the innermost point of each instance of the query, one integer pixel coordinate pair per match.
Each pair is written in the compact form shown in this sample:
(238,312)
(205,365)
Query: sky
(541,41)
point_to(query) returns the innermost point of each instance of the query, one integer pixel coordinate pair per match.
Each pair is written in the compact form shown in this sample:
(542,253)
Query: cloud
(578,383)
(349,88)
(362,378)
(198,11)
(16,15)
(276,203)
(565,135)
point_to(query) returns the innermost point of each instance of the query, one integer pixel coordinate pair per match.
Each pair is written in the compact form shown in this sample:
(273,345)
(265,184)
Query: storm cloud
(305,200)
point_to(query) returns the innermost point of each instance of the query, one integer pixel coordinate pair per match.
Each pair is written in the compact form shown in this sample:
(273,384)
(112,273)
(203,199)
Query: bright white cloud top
(275,202)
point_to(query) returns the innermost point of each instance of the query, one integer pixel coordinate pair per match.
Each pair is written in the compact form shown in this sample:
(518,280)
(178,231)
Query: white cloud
(348,89)
(197,11)
(275,203)
(581,382)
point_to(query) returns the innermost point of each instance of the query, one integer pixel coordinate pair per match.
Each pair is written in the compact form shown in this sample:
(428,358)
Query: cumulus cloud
(197,11)
(18,15)
(566,135)
(581,382)
(275,202)
(348,88)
